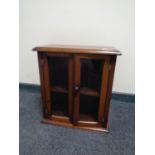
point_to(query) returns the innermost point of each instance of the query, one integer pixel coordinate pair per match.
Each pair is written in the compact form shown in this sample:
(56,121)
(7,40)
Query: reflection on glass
(58,67)
(91,72)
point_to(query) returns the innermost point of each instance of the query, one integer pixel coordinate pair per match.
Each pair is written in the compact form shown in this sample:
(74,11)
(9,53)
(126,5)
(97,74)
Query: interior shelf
(87,117)
(59,89)
(89,92)
(83,91)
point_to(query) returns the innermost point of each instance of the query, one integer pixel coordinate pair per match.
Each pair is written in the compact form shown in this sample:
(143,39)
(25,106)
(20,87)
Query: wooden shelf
(87,117)
(59,112)
(59,89)
(89,92)
(83,91)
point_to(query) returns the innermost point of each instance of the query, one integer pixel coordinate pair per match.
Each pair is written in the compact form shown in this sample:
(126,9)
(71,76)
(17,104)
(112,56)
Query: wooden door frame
(46,85)
(44,80)
(103,92)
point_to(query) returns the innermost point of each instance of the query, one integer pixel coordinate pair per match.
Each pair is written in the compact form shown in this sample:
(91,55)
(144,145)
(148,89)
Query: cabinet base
(70,125)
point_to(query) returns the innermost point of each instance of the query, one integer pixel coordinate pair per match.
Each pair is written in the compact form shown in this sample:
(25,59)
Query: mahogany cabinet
(76,85)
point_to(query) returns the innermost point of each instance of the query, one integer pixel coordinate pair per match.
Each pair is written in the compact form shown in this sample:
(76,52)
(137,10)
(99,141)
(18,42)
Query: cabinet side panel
(40,61)
(104,84)
(45,85)
(109,91)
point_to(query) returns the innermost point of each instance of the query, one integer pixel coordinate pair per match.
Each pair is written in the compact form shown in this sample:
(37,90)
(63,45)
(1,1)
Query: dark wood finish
(74,118)
(70,86)
(76,93)
(44,64)
(103,93)
(40,62)
(78,49)
(109,90)
(70,125)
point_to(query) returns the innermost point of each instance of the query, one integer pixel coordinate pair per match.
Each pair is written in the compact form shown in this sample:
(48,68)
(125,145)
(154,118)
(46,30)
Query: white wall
(82,22)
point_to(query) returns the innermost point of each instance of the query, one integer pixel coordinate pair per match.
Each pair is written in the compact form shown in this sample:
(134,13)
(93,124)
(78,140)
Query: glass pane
(88,108)
(91,72)
(58,67)
(59,104)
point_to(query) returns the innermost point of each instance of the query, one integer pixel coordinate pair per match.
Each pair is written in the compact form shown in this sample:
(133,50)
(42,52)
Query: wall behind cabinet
(84,22)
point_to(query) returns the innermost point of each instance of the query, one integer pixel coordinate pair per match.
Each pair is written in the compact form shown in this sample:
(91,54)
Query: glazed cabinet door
(56,73)
(90,89)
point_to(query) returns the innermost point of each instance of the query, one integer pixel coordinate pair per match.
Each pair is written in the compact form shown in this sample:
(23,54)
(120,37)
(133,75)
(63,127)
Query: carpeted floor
(41,139)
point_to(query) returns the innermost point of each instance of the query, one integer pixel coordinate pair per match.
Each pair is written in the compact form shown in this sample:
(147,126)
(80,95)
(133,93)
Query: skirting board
(115,95)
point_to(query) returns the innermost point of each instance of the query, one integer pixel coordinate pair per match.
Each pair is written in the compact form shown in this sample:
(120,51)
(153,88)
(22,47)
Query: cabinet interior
(90,81)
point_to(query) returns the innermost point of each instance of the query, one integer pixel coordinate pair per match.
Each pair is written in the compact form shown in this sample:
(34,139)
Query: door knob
(76,88)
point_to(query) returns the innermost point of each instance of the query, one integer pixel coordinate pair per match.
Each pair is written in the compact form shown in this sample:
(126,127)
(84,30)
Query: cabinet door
(90,88)
(57,69)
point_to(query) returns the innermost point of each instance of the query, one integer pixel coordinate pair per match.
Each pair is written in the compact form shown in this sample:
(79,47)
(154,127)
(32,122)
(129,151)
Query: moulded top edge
(78,49)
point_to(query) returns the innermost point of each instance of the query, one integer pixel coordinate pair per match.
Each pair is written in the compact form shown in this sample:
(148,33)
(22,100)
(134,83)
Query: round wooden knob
(76,88)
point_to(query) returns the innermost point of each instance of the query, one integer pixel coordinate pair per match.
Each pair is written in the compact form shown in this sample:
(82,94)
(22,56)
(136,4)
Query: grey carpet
(41,139)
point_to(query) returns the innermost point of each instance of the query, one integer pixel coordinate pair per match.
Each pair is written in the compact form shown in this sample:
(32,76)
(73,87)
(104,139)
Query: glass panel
(88,110)
(58,67)
(59,104)
(91,73)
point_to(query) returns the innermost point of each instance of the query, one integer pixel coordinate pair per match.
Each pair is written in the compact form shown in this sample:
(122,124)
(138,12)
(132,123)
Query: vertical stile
(70,85)
(77,68)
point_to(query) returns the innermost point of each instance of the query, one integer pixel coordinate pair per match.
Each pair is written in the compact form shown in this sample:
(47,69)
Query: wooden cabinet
(76,85)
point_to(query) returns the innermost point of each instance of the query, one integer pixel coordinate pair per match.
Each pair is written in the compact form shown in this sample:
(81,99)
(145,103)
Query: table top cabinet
(76,85)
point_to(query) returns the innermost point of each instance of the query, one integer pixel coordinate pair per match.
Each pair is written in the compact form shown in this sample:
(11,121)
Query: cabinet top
(78,49)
